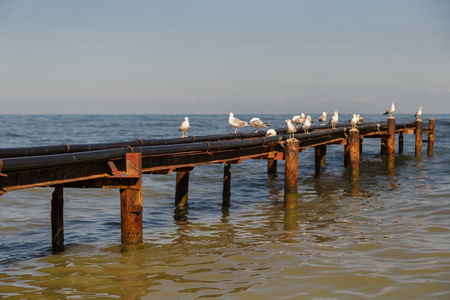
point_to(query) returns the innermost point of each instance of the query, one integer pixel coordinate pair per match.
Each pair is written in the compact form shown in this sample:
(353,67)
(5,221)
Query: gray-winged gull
(184,127)
(235,122)
(418,113)
(290,128)
(257,123)
(334,119)
(391,110)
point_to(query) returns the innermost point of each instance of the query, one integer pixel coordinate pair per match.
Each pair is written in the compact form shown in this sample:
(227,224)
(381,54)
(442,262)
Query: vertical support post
(271,166)
(400,143)
(419,126)
(291,174)
(354,154)
(432,128)
(320,157)
(347,154)
(182,188)
(57,216)
(132,206)
(226,194)
(361,139)
(390,161)
(383,149)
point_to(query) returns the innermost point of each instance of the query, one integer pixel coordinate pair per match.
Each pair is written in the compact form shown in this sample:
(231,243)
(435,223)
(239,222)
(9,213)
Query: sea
(386,236)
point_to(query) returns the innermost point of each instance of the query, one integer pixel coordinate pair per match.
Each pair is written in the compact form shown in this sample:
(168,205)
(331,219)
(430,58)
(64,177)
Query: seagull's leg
(235,130)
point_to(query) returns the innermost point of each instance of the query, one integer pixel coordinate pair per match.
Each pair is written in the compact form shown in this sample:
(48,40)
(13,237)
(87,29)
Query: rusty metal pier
(121,165)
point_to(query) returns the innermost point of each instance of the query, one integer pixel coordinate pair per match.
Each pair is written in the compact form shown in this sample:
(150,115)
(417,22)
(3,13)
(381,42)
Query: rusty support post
(432,127)
(226,194)
(182,189)
(320,157)
(383,149)
(353,154)
(346,154)
(271,166)
(400,143)
(132,206)
(291,174)
(419,126)
(57,214)
(361,139)
(390,161)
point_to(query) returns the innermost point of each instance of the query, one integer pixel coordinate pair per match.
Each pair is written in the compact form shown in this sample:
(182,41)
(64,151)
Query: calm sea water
(385,237)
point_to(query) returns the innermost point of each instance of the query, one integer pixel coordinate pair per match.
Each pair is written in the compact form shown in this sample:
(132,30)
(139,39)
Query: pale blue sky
(219,56)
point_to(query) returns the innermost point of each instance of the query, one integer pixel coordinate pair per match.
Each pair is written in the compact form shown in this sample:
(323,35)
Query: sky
(187,57)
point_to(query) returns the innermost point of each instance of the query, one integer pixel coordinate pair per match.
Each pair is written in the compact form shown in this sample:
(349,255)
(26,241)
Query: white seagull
(418,113)
(184,127)
(290,128)
(323,118)
(361,119)
(271,132)
(298,119)
(235,122)
(307,124)
(334,119)
(257,123)
(354,121)
(391,110)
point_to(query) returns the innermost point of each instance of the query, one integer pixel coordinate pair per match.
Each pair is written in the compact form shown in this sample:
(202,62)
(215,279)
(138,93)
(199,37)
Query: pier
(121,165)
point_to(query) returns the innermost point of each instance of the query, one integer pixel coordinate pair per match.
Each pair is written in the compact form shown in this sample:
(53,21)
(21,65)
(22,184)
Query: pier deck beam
(226,194)
(390,143)
(432,128)
(131,206)
(418,148)
(57,219)
(291,174)
(353,154)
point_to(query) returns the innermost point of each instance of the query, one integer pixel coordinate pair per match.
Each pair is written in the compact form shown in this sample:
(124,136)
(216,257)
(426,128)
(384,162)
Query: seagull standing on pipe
(391,110)
(184,127)
(354,121)
(290,128)
(360,119)
(323,118)
(257,123)
(235,122)
(418,113)
(307,124)
(334,119)
(271,132)
(298,119)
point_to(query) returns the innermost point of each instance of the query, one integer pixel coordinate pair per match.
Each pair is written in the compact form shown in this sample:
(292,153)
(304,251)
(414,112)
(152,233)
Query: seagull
(184,127)
(361,119)
(290,128)
(307,124)
(235,122)
(354,121)
(298,119)
(418,113)
(334,119)
(257,123)
(271,132)
(391,110)
(323,118)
